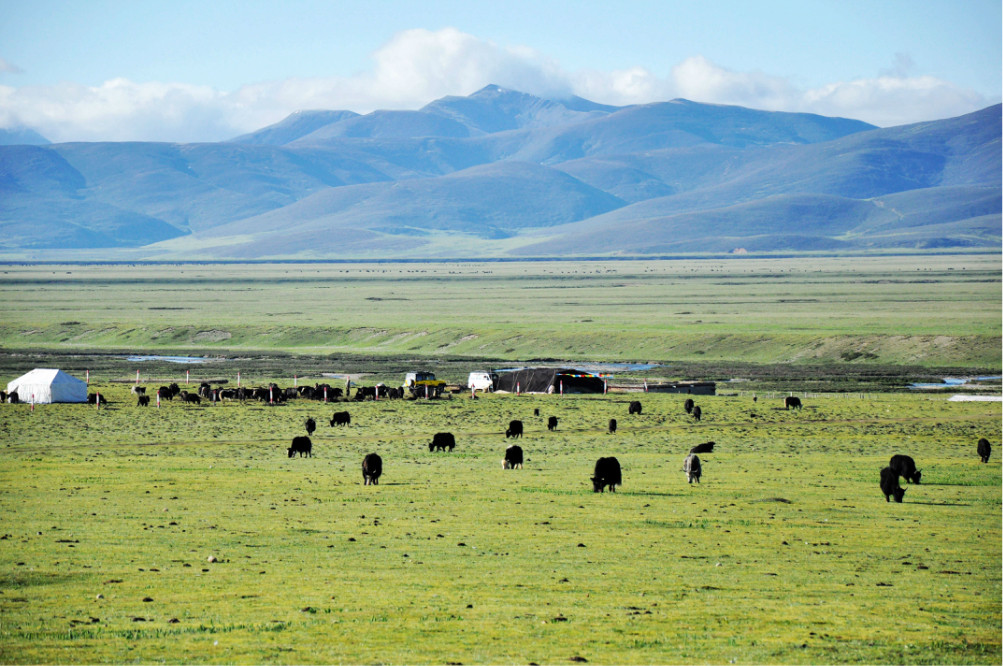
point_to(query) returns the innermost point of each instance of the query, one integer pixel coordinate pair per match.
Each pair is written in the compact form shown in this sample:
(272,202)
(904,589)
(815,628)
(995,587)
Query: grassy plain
(785,553)
(923,311)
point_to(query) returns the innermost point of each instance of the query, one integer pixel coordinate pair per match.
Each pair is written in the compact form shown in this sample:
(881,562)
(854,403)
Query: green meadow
(185,534)
(786,552)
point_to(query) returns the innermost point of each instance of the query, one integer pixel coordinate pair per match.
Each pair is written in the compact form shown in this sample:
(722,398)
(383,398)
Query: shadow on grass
(938,503)
(966,485)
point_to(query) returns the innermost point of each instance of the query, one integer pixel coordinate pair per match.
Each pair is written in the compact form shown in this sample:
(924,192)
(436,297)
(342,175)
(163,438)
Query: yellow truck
(423,384)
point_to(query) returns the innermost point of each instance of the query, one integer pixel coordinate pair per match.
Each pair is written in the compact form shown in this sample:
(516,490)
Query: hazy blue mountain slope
(76,223)
(495,201)
(36,169)
(389,125)
(680,124)
(293,127)
(500,172)
(21,136)
(922,219)
(494,109)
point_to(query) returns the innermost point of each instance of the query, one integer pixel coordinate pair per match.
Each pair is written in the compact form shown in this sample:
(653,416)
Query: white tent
(42,386)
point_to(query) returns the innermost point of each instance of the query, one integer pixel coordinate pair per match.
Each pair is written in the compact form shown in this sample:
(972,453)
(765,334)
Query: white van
(482,381)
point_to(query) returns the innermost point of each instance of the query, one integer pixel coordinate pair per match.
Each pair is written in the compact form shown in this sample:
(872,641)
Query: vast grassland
(786,553)
(925,311)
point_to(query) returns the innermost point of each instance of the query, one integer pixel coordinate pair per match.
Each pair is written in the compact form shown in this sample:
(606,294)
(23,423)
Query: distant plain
(927,310)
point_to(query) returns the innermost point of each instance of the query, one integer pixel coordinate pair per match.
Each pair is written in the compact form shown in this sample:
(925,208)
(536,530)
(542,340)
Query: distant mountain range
(505,174)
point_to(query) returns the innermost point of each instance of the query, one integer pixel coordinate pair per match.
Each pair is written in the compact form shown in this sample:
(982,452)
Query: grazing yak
(552,423)
(514,429)
(138,390)
(706,447)
(301,445)
(168,392)
(13,398)
(692,468)
(341,418)
(311,425)
(792,402)
(688,406)
(513,457)
(606,475)
(697,412)
(612,426)
(442,441)
(635,407)
(905,467)
(190,398)
(372,468)
(143,401)
(890,485)
(985,449)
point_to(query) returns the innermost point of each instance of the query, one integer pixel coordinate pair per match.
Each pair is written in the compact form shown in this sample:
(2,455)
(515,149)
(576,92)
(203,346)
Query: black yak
(442,441)
(890,485)
(606,475)
(513,457)
(341,418)
(792,402)
(905,467)
(143,401)
(697,412)
(612,426)
(634,407)
(372,468)
(985,449)
(706,447)
(310,425)
(688,405)
(514,429)
(301,445)
(552,423)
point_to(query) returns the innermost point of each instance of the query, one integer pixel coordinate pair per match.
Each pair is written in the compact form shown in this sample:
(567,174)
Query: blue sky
(209,70)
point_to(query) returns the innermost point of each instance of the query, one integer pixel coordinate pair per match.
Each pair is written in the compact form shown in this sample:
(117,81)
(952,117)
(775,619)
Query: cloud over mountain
(418,66)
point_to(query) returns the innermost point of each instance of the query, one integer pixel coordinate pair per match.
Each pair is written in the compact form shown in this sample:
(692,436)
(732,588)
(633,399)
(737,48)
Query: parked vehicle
(482,381)
(423,384)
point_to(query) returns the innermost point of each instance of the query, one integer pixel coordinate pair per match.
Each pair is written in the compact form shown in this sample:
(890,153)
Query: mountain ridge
(503,173)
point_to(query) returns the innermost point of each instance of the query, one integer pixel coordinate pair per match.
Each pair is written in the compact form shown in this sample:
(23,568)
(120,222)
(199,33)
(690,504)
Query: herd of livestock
(607,474)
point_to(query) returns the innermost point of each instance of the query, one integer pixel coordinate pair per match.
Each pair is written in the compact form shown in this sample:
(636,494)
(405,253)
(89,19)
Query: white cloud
(700,80)
(893,100)
(418,66)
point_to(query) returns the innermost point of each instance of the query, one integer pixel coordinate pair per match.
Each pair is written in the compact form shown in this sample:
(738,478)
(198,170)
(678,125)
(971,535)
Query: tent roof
(46,376)
(49,385)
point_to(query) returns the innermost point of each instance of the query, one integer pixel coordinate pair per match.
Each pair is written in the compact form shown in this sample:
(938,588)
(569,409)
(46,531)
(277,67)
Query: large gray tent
(549,380)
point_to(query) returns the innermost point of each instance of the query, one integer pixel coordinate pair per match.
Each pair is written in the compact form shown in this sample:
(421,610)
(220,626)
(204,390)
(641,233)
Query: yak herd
(607,474)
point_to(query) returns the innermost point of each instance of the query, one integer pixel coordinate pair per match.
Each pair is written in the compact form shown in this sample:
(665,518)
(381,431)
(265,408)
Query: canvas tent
(549,380)
(43,385)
